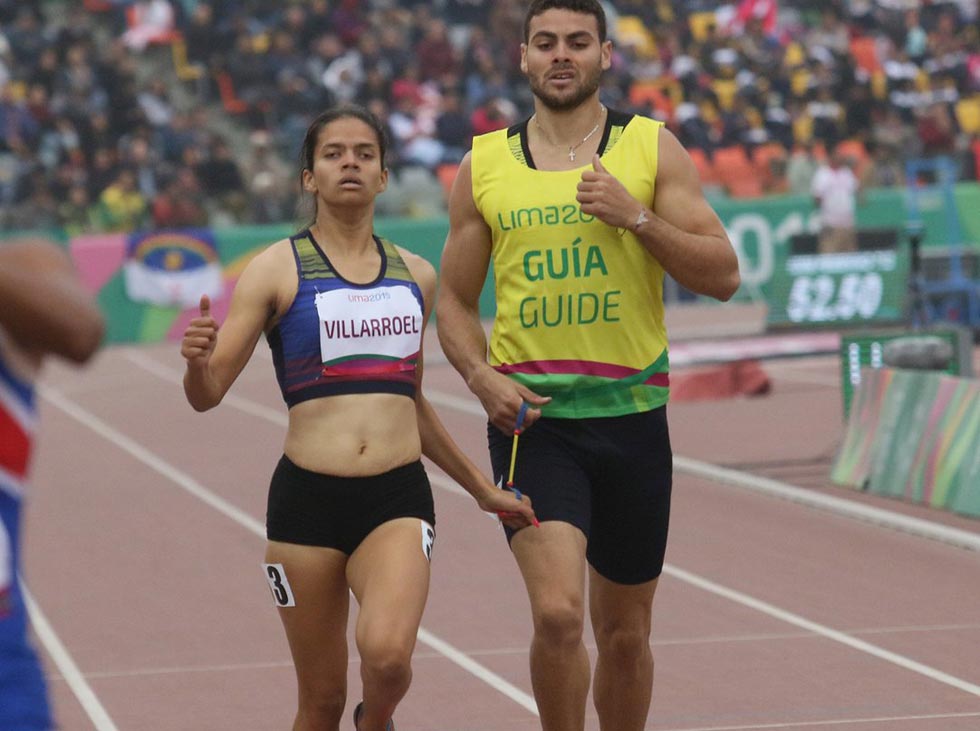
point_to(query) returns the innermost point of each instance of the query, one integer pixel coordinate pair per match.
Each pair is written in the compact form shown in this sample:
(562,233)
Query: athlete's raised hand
(200,335)
(600,194)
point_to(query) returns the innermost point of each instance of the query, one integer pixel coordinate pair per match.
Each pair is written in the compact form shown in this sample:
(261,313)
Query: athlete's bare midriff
(353,435)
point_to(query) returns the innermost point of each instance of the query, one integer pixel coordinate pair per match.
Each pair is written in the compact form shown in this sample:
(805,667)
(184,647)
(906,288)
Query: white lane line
(274,416)
(838,722)
(839,506)
(470,406)
(473,667)
(147,457)
(783,490)
(831,634)
(191,485)
(174,376)
(66,665)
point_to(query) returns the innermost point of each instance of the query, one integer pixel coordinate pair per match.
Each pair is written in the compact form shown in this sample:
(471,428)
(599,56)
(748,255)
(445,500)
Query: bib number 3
(275,574)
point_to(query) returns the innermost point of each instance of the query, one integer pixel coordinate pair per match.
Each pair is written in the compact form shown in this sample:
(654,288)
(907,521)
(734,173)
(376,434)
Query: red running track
(144,540)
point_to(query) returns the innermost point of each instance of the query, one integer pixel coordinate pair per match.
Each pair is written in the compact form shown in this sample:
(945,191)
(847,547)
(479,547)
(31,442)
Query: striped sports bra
(339,337)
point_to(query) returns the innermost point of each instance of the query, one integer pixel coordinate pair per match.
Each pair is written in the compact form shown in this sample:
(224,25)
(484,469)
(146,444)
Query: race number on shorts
(428,538)
(279,584)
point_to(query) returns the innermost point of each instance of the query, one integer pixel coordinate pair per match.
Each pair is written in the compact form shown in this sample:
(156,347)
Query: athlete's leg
(628,541)
(316,628)
(389,575)
(552,561)
(623,683)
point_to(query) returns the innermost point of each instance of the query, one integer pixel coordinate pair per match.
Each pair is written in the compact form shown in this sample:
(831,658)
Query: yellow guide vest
(579,306)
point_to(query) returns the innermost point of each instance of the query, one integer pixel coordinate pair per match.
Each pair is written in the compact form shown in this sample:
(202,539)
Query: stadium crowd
(121,114)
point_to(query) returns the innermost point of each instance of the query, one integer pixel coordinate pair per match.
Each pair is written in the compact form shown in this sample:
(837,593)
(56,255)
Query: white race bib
(384,322)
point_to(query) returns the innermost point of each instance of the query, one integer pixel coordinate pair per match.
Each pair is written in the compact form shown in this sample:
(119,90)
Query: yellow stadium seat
(799,82)
(700,22)
(630,31)
(794,55)
(725,90)
(185,70)
(922,81)
(803,128)
(879,85)
(968,114)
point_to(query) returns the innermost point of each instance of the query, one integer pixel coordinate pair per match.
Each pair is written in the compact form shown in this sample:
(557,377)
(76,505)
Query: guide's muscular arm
(681,230)
(463,271)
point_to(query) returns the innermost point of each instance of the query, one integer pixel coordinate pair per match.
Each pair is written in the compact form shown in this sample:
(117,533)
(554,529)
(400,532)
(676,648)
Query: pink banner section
(98,257)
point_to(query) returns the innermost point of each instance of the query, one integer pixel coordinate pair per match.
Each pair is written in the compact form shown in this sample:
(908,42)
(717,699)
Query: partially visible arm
(463,271)
(681,230)
(213,362)
(440,447)
(684,233)
(43,305)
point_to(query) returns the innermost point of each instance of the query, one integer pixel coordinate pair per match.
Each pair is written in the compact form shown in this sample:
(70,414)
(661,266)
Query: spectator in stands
(36,209)
(828,117)
(414,133)
(936,129)
(344,75)
(800,169)
(103,170)
(436,54)
(150,21)
(694,128)
(121,207)
(20,131)
(204,39)
(75,213)
(267,180)
(454,129)
(495,113)
(139,156)
(835,189)
(221,177)
(178,204)
(884,168)
(154,101)
(777,62)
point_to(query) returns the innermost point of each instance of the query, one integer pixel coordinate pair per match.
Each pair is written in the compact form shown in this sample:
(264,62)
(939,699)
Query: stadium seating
(229,99)
(968,114)
(864,49)
(446,173)
(185,70)
(706,170)
(736,172)
(855,149)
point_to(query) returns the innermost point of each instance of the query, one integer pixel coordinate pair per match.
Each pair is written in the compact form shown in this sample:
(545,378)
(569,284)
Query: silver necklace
(571,148)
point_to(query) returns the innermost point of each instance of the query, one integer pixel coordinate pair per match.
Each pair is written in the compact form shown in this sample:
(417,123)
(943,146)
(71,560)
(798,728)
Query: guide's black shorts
(314,509)
(610,477)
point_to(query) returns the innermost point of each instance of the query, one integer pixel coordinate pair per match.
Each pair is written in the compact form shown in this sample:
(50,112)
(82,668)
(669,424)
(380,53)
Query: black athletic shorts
(314,509)
(610,477)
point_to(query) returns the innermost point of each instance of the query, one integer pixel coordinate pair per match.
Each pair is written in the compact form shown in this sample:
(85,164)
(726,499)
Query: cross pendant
(571,154)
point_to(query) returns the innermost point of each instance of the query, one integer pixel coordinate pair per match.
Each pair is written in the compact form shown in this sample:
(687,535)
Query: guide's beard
(562,103)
